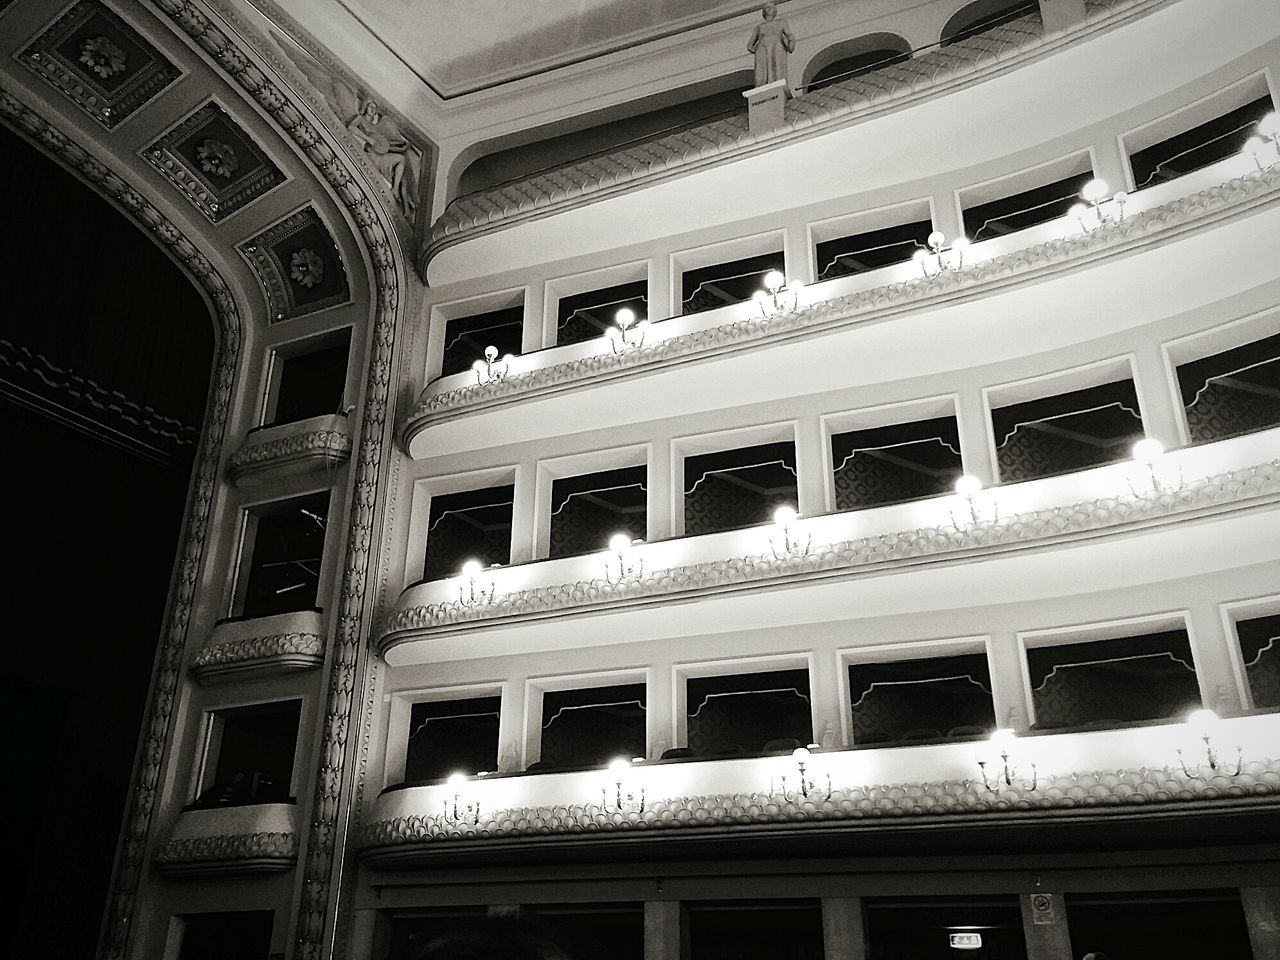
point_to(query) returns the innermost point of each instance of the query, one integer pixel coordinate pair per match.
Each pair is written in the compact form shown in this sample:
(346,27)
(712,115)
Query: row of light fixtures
(1003,764)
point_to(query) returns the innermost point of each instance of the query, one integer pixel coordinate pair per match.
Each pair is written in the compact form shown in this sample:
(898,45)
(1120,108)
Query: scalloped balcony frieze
(291,448)
(283,643)
(1149,770)
(258,838)
(1149,227)
(843,103)
(1217,494)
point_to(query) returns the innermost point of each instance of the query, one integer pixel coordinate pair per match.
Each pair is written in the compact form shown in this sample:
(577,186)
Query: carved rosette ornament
(1099,794)
(102,57)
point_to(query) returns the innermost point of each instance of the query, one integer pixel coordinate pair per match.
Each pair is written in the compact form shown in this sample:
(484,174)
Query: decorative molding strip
(930,75)
(274,653)
(847,556)
(168,663)
(241,853)
(1103,793)
(1206,205)
(314,446)
(326,834)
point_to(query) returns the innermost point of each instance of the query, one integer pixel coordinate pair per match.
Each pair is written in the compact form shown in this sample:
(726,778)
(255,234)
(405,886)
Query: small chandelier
(940,258)
(616,796)
(1265,146)
(1204,726)
(622,562)
(456,810)
(778,296)
(1098,210)
(1003,773)
(785,542)
(473,587)
(1147,452)
(980,510)
(805,787)
(491,368)
(627,333)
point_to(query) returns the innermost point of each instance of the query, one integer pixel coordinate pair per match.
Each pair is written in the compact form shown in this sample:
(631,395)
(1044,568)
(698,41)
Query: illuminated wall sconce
(999,771)
(980,509)
(473,586)
(778,296)
(622,562)
(627,333)
(940,258)
(1205,727)
(491,368)
(1265,147)
(617,796)
(804,786)
(1147,452)
(1098,210)
(456,810)
(786,542)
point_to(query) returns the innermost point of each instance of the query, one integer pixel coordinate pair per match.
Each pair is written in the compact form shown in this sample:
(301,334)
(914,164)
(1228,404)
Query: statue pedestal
(765,106)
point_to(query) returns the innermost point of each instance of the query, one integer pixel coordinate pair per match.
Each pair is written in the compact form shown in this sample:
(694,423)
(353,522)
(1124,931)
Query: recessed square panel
(99,62)
(214,162)
(299,265)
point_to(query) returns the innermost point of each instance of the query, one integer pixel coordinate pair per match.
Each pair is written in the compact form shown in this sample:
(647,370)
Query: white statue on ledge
(771,41)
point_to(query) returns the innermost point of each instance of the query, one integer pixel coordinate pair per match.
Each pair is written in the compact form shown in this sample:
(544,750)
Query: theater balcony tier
(852,797)
(858,135)
(251,838)
(932,73)
(291,448)
(1048,286)
(259,646)
(1195,511)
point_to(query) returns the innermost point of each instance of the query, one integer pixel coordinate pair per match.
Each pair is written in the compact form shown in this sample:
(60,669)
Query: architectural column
(660,502)
(1007,694)
(1262,915)
(1211,645)
(659,711)
(1110,163)
(946,215)
(511,757)
(1044,924)
(974,425)
(665,932)
(534,336)
(795,254)
(1161,419)
(523,521)
(828,704)
(1061,15)
(660,284)
(811,469)
(844,936)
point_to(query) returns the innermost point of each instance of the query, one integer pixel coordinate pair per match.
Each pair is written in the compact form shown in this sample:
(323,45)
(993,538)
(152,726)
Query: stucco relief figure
(391,153)
(397,159)
(771,42)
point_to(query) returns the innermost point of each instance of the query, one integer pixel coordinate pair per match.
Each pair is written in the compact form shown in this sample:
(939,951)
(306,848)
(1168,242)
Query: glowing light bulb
(471,568)
(1147,450)
(1095,190)
(774,280)
(1078,211)
(618,766)
(785,515)
(968,486)
(936,239)
(1003,737)
(800,754)
(478,366)
(1202,721)
(624,317)
(760,296)
(491,353)
(960,244)
(620,543)
(509,358)
(1269,126)
(456,779)
(919,255)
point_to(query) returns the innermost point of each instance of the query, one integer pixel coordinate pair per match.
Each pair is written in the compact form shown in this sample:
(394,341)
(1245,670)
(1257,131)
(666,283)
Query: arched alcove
(982,15)
(105,360)
(855,56)
(529,151)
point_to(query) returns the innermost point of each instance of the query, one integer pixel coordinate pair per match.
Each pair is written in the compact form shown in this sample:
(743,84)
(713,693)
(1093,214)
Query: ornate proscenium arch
(168,663)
